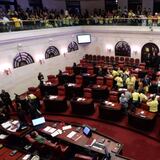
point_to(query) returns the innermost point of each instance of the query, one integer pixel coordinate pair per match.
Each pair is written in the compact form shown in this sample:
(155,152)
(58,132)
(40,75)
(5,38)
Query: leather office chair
(136,61)
(79,85)
(131,61)
(94,58)
(98,58)
(99,80)
(112,59)
(126,60)
(87,93)
(121,59)
(109,82)
(50,77)
(79,156)
(117,59)
(113,96)
(142,66)
(63,150)
(107,59)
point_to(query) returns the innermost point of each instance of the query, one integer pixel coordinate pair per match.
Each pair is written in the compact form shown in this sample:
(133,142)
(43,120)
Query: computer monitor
(38,121)
(87,131)
(83,38)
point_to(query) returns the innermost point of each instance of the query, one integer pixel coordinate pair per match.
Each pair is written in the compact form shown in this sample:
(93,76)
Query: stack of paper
(71,134)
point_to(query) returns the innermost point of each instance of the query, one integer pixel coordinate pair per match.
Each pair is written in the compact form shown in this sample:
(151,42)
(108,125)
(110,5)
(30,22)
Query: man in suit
(5,97)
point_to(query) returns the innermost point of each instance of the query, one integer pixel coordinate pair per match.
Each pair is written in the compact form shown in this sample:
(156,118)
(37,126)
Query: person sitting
(38,138)
(153,104)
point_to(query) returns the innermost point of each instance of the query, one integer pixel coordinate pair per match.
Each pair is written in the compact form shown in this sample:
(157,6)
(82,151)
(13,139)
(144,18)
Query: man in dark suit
(5,97)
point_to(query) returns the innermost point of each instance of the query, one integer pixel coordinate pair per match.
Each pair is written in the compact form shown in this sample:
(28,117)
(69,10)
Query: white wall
(104,37)
(123,3)
(35,42)
(90,5)
(54,4)
(147,4)
(22,78)
(23,3)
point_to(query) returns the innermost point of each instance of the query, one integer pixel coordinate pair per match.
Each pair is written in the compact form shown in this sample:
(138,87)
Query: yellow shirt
(135,96)
(142,97)
(130,81)
(114,73)
(17,22)
(119,81)
(153,105)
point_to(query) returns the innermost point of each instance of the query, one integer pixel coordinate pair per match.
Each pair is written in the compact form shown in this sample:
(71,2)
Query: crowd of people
(137,90)
(38,18)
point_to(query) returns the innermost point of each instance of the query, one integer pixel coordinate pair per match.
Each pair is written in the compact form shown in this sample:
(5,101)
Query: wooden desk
(50,88)
(56,104)
(142,119)
(83,141)
(20,133)
(100,92)
(82,105)
(110,111)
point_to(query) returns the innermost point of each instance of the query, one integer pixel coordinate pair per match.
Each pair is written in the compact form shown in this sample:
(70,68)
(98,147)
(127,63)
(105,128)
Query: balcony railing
(18,25)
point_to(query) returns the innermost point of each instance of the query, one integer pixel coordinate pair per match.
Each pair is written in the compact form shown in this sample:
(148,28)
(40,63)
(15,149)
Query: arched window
(73,46)
(149,55)
(51,51)
(122,48)
(22,59)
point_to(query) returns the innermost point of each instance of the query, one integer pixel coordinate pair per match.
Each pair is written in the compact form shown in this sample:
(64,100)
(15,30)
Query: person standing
(40,77)
(5,97)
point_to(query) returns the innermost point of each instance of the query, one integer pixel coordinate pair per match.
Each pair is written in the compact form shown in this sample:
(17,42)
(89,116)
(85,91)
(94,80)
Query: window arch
(73,46)
(149,54)
(22,59)
(122,48)
(51,51)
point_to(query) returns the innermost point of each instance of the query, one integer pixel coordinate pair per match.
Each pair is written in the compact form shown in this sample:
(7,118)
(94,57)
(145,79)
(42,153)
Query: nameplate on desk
(143,116)
(80,99)
(47,83)
(52,97)
(71,84)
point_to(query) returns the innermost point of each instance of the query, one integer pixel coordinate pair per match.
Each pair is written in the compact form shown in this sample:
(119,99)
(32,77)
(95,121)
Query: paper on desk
(46,129)
(60,131)
(6,124)
(66,127)
(15,122)
(51,130)
(71,134)
(3,136)
(54,134)
(26,157)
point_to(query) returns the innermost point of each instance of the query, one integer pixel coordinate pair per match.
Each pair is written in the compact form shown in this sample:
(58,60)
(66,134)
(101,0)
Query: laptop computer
(38,122)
